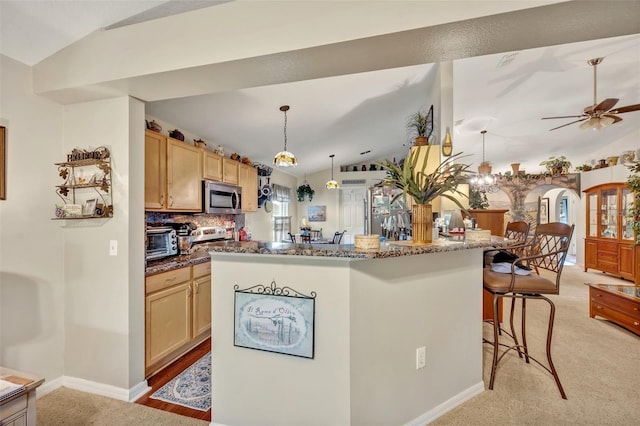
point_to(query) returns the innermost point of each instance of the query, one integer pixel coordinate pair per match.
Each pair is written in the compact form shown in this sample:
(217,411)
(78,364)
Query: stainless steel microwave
(221,198)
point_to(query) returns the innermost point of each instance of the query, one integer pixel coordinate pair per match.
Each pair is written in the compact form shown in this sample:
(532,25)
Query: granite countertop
(200,253)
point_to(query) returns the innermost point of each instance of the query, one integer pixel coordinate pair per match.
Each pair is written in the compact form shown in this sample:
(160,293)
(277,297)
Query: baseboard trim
(127,395)
(448,405)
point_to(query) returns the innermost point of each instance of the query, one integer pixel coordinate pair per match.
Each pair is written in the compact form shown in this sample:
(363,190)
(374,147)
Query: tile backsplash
(229,221)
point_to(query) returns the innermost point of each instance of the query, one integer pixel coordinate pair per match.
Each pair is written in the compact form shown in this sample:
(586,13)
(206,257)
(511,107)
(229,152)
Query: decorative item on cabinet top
(85,174)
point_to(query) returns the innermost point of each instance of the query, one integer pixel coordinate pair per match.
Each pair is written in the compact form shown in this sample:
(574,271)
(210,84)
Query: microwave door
(221,200)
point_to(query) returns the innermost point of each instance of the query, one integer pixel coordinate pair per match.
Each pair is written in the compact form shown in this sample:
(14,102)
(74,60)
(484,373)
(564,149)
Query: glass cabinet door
(627,222)
(592,215)
(609,214)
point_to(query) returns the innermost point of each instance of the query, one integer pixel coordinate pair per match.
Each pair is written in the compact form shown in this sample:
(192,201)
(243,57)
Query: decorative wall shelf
(86,188)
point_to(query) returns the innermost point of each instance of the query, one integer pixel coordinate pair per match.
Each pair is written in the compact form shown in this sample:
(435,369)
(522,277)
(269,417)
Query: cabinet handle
(636,323)
(189,291)
(162,200)
(170,200)
(598,307)
(168,280)
(197,287)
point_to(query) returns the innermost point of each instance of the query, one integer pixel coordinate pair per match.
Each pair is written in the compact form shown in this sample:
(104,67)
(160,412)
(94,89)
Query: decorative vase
(422,223)
(515,167)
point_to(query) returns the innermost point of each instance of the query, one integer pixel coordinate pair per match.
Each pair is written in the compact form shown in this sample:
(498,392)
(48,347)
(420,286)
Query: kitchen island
(373,310)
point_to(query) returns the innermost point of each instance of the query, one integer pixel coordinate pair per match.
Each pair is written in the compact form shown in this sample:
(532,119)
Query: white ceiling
(506,94)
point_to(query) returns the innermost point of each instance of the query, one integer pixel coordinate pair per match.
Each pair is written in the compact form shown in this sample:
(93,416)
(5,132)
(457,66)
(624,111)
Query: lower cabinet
(177,314)
(613,257)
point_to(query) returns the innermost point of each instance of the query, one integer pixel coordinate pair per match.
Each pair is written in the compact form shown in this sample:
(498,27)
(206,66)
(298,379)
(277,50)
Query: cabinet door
(201,305)
(625,260)
(609,213)
(590,254)
(211,166)
(168,321)
(248,180)
(183,176)
(230,171)
(592,214)
(155,170)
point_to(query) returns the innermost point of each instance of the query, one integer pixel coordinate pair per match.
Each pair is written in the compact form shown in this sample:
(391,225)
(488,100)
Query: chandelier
(332,184)
(484,181)
(285,158)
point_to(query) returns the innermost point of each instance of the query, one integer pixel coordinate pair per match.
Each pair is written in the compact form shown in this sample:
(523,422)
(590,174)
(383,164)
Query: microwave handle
(234,200)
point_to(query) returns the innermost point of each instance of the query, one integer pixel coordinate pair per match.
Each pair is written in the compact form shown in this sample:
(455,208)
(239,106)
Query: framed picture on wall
(317,213)
(543,213)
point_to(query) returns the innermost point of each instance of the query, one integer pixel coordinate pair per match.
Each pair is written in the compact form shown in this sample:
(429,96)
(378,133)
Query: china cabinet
(86,188)
(609,241)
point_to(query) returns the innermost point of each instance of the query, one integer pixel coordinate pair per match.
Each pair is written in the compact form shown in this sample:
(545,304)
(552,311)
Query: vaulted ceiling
(506,93)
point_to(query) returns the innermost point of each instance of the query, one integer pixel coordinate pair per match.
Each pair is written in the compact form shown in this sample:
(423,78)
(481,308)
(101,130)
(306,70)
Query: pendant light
(332,184)
(484,181)
(285,158)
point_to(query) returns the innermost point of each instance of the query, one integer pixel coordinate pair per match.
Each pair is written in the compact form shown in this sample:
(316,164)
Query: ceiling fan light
(285,159)
(591,124)
(606,120)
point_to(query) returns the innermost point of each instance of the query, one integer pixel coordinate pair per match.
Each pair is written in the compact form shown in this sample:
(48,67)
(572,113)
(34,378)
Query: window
(280,213)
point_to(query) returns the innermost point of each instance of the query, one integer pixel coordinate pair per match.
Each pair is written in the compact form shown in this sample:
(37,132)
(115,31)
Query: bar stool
(546,250)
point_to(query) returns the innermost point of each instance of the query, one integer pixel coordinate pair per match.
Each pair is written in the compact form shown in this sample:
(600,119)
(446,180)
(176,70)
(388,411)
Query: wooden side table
(617,303)
(20,408)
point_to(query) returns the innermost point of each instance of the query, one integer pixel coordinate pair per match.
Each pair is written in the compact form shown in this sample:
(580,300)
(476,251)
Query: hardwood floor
(164,376)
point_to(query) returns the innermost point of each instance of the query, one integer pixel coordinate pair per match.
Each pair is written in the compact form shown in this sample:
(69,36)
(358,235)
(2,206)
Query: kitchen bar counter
(373,310)
(200,252)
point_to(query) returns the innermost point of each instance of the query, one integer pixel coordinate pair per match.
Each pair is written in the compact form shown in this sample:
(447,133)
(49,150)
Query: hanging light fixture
(285,158)
(484,181)
(332,184)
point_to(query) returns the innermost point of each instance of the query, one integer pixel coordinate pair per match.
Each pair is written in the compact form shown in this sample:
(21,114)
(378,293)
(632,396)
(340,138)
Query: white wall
(31,245)
(104,302)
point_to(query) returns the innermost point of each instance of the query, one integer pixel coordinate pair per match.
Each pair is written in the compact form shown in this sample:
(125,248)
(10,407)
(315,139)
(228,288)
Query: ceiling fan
(598,115)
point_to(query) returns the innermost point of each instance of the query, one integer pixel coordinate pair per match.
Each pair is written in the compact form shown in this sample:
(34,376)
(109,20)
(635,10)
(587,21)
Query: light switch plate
(113,247)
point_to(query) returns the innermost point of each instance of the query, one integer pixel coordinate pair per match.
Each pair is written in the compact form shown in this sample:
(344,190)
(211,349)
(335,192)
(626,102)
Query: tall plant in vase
(423,185)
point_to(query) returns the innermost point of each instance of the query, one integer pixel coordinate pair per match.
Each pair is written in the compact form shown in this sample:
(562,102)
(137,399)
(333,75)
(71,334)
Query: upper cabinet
(230,171)
(248,180)
(211,166)
(173,174)
(609,231)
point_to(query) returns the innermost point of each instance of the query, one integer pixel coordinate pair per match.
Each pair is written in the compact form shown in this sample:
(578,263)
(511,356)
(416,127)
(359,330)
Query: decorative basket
(367,241)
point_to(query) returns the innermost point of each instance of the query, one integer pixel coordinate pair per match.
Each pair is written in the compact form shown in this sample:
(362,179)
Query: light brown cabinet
(177,314)
(211,166)
(248,180)
(230,171)
(608,245)
(617,303)
(173,174)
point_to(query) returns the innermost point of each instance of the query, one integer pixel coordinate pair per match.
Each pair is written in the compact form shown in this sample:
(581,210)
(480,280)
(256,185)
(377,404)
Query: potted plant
(423,185)
(420,125)
(584,168)
(305,190)
(633,182)
(557,165)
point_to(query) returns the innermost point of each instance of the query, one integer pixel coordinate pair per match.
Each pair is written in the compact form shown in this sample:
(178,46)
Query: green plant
(423,187)
(421,123)
(633,182)
(478,200)
(557,165)
(305,190)
(584,168)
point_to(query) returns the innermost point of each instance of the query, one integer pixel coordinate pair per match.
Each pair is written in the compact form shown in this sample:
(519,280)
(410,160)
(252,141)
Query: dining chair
(292,237)
(337,237)
(546,250)
(305,238)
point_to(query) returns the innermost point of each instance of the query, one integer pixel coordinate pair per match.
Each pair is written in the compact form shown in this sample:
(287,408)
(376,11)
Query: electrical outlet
(421,357)
(113,247)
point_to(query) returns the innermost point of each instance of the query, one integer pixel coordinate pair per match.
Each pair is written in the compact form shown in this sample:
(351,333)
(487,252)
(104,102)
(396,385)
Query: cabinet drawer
(608,247)
(632,324)
(167,279)
(201,269)
(608,266)
(628,307)
(12,407)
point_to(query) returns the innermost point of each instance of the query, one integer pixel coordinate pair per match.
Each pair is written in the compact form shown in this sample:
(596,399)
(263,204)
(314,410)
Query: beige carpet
(598,364)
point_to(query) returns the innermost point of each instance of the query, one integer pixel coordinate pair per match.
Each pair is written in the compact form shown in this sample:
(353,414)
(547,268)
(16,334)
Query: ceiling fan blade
(568,124)
(606,105)
(615,117)
(628,108)
(564,116)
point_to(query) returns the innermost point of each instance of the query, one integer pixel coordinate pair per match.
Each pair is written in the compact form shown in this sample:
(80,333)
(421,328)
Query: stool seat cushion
(497,282)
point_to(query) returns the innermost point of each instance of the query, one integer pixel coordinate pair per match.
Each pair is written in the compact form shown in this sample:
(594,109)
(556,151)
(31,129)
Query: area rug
(191,388)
